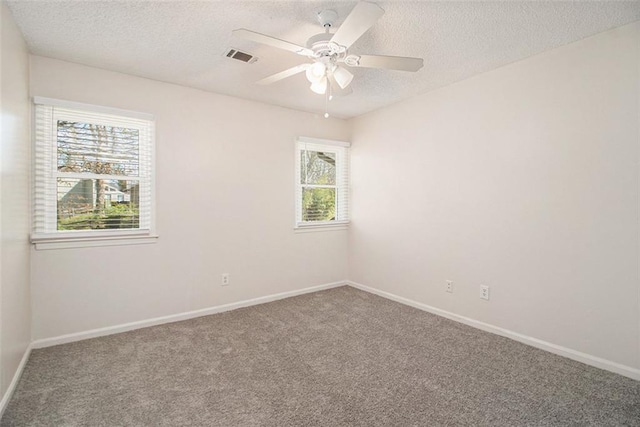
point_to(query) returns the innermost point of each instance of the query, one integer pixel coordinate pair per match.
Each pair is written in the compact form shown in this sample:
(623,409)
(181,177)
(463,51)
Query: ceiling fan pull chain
(326,101)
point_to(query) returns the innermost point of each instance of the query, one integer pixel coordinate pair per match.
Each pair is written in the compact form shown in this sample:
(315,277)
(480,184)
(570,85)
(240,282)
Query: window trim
(92,238)
(311,226)
(72,105)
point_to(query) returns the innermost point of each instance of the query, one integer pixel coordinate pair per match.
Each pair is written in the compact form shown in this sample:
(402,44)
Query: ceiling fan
(329,51)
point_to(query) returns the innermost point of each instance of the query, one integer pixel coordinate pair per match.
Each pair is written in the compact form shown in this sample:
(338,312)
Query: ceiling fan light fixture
(326,50)
(342,76)
(316,72)
(320,86)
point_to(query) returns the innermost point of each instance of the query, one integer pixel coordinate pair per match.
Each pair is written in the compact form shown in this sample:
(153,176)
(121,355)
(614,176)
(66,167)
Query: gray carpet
(336,357)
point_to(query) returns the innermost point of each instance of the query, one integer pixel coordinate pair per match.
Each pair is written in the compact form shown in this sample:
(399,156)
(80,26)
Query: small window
(322,183)
(84,156)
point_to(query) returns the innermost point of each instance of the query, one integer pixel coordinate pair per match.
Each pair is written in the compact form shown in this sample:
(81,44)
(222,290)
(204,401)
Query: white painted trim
(62,236)
(72,105)
(323,227)
(309,140)
(110,330)
(14,382)
(587,359)
(69,243)
(638,354)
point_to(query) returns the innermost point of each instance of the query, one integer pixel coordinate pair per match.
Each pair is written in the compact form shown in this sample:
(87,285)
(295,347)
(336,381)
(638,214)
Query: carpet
(340,357)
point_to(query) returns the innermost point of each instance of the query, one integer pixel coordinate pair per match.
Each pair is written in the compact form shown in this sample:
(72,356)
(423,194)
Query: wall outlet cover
(449,287)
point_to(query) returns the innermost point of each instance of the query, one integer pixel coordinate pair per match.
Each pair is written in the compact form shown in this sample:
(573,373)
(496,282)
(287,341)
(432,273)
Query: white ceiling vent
(240,55)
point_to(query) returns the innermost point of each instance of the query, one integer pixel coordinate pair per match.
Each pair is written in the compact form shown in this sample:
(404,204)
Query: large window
(322,182)
(93,172)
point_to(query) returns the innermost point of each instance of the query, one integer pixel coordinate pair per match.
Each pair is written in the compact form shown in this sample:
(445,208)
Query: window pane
(85,147)
(97,204)
(318,204)
(318,167)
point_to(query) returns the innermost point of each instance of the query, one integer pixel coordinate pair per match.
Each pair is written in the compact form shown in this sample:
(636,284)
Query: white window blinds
(93,170)
(322,182)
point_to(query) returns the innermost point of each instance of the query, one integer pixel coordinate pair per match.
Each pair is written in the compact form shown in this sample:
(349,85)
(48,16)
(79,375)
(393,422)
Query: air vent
(240,56)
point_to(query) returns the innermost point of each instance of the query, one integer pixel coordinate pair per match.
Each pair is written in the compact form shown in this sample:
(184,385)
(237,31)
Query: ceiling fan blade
(283,74)
(401,63)
(271,41)
(361,18)
(336,89)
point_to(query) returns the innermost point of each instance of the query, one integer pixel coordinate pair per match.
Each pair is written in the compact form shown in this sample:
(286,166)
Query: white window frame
(341,149)
(45,234)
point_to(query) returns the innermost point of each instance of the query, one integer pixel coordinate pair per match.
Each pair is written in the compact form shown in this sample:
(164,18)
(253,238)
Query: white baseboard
(534,342)
(587,359)
(14,382)
(78,336)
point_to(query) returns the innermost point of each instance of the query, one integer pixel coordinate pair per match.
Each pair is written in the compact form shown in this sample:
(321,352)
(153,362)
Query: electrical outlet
(484,292)
(225,279)
(449,286)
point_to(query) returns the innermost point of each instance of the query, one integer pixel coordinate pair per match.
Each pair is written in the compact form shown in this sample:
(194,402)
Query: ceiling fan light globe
(316,72)
(342,76)
(320,86)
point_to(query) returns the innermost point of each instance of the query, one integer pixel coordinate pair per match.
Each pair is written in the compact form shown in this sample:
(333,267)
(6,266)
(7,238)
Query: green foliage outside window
(318,204)
(318,169)
(113,217)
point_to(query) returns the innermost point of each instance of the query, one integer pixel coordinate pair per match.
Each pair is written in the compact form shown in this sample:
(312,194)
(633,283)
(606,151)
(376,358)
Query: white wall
(524,179)
(225,204)
(15,311)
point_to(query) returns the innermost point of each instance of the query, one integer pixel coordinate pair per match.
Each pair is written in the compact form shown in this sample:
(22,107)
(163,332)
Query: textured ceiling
(183,41)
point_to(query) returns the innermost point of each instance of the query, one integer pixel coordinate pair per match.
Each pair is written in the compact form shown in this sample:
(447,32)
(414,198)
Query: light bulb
(316,72)
(326,115)
(320,86)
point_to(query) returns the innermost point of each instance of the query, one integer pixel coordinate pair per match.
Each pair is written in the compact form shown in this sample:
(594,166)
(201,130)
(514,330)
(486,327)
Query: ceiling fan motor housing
(324,49)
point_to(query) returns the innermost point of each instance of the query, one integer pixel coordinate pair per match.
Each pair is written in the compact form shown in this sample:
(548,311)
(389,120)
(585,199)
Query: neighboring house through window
(322,183)
(93,172)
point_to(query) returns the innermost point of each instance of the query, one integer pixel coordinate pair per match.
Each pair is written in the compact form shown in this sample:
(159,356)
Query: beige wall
(15,311)
(225,204)
(524,179)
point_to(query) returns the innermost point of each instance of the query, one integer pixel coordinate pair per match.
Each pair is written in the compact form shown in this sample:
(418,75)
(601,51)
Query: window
(322,183)
(93,173)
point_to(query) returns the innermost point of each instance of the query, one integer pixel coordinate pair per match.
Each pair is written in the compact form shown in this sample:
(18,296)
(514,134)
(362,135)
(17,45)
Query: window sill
(89,242)
(321,227)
